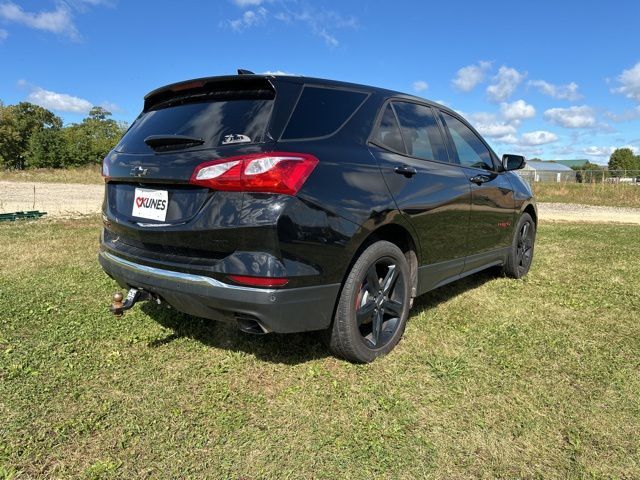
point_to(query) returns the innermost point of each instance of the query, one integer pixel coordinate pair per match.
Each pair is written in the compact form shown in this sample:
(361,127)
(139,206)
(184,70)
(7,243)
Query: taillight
(275,172)
(105,170)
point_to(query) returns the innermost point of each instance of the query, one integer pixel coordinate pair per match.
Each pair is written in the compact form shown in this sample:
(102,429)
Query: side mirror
(512,162)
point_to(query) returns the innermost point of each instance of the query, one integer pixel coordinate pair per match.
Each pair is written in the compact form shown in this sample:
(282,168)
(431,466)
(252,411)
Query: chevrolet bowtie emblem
(138,172)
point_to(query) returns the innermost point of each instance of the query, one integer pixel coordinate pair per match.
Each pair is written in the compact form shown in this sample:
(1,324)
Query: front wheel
(374,305)
(521,250)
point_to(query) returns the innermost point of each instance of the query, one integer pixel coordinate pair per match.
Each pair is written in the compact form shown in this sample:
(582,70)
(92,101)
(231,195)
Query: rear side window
(389,132)
(321,112)
(471,151)
(420,131)
(218,123)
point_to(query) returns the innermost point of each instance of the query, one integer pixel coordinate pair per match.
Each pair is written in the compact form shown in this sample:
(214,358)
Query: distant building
(540,171)
(571,163)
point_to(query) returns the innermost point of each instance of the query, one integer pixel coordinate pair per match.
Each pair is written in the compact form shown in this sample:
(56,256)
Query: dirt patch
(572,212)
(57,199)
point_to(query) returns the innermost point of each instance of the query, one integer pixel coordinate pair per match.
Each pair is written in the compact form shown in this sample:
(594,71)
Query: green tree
(47,149)
(622,159)
(90,141)
(590,173)
(17,125)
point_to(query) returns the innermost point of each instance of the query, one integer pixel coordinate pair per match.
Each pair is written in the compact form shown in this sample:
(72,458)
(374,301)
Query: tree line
(624,159)
(34,137)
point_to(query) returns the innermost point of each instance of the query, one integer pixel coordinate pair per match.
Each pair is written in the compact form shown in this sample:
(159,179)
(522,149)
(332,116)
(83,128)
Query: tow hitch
(118,307)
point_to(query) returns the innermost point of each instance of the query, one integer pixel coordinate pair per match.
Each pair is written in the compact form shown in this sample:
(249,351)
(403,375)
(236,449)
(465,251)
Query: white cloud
(539,137)
(505,83)
(3,34)
(516,111)
(111,107)
(625,116)
(58,21)
(79,4)
(247,3)
(468,77)
(420,86)
(320,22)
(629,83)
(562,92)
(329,39)
(564,150)
(572,117)
(280,72)
(249,18)
(60,102)
(607,151)
(530,139)
(489,126)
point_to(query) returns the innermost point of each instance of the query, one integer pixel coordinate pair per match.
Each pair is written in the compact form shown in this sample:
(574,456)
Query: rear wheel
(374,305)
(521,251)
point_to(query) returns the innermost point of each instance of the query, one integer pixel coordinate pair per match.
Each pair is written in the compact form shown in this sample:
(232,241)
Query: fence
(615,177)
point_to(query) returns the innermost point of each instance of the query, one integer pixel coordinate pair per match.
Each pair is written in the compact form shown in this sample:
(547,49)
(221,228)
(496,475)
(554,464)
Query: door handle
(405,170)
(479,179)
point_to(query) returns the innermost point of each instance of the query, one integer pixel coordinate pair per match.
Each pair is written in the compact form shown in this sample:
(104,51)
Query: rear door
(431,192)
(493,204)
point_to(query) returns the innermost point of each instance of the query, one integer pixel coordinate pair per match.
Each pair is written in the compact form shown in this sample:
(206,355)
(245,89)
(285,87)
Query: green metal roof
(571,163)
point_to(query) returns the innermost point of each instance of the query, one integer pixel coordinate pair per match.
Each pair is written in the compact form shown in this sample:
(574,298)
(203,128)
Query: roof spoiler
(227,86)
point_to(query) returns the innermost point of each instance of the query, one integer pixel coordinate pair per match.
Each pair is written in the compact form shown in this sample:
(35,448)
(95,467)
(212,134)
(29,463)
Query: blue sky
(555,79)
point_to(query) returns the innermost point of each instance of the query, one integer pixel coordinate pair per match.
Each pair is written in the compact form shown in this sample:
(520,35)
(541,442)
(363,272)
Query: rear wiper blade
(161,142)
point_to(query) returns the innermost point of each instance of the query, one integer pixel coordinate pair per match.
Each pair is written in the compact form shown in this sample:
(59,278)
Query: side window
(321,111)
(471,151)
(420,131)
(388,133)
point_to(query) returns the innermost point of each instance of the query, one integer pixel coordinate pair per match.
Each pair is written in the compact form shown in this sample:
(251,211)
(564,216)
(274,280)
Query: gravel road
(57,199)
(72,199)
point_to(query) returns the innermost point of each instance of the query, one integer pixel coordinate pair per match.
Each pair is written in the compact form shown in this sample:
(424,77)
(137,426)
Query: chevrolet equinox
(288,204)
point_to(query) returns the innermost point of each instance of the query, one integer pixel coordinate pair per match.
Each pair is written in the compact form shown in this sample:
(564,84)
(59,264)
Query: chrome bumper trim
(188,278)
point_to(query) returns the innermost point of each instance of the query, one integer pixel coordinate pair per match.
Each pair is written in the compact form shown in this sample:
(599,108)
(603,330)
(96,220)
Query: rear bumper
(276,310)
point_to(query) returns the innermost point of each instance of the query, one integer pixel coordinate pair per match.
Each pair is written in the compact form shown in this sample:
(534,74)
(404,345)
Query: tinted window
(420,131)
(471,151)
(321,111)
(217,123)
(388,133)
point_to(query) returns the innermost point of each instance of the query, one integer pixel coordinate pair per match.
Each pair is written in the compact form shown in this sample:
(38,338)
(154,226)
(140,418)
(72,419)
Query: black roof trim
(298,80)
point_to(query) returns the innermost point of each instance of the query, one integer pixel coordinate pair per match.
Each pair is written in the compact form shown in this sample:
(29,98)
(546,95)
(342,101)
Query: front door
(492,199)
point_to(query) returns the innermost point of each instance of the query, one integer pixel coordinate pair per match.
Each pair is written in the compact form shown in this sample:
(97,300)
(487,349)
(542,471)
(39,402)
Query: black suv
(287,204)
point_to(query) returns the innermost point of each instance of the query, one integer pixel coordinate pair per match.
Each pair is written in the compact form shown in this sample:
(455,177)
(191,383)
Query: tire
(521,250)
(373,306)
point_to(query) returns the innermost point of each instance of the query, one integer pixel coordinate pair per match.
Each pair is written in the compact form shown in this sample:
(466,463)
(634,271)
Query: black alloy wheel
(373,306)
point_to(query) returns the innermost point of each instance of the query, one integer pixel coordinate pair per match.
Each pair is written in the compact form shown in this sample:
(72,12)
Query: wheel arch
(531,210)
(400,236)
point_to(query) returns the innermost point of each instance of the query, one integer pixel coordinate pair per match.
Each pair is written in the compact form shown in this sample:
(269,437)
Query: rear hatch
(181,127)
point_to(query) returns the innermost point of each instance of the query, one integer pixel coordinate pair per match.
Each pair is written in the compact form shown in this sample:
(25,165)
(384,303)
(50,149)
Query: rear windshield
(321,112)
(217,123)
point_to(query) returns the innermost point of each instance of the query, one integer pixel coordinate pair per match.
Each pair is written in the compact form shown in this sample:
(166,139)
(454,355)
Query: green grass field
(605,194)
(495,378)
(88,174)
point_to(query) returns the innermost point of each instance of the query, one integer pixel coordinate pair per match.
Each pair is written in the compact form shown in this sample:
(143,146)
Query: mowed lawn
(538,378)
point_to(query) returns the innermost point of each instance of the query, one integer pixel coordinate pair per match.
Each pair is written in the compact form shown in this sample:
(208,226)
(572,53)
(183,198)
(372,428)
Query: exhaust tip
(250,324)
